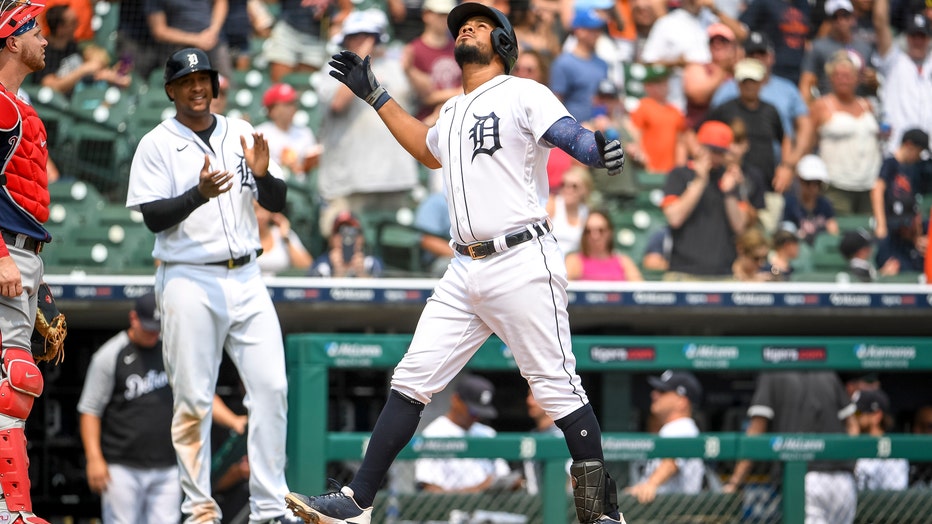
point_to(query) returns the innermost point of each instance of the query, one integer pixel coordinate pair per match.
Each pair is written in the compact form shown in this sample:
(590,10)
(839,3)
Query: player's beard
(34,59)
(471,54)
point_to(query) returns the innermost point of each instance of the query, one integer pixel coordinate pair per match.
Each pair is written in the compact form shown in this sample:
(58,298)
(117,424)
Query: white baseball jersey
(494,159)
(168,162)
(494,168)
(208,309)
(458,474)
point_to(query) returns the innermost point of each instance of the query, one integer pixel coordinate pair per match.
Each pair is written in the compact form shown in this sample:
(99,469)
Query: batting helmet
(187,61)
(504,41)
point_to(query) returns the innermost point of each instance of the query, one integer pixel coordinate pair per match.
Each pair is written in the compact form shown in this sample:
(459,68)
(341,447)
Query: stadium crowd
(792,136)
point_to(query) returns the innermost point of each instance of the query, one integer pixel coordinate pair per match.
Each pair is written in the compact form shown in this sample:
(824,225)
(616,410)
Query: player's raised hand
(257,156)
(613,156)
(213,182)
(356,74)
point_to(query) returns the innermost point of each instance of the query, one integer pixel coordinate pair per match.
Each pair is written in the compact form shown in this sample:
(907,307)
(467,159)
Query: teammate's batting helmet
(187,61)
(504,41)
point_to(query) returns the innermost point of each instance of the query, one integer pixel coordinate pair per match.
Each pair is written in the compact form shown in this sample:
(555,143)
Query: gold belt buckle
(472,251)
(231,263)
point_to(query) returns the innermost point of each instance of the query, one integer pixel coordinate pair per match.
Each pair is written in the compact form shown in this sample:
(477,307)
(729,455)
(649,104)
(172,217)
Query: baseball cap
(607,88)
(587,19)
(19,19)
(477,392)
(148,312)
(750,69)
(345,218)
(757,43)
(716,135)
(721,30)
(916,137)
(871,401)
(833,6)
(368,21)
(683,383)
(655,73)
(812,167)
(918,23)
(279,94)
(439,6)
(594,4)
(854,241)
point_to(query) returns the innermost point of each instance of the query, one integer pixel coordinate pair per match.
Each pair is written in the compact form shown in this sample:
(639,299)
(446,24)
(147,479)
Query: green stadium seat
(399,247)
(115,214)
(648,181)
(826,256)
(850,222)
(906,277)
(819,276)
(104,22)
(54,109)
(73,203)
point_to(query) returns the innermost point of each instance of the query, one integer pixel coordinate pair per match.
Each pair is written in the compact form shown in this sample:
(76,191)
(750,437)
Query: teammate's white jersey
(494,158)
(168,162)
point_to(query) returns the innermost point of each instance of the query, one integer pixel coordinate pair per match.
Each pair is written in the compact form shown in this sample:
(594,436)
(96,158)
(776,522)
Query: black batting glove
(613,156)
(356,74)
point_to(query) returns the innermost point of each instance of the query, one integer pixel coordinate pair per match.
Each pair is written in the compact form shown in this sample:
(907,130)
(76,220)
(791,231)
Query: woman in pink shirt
(597,258)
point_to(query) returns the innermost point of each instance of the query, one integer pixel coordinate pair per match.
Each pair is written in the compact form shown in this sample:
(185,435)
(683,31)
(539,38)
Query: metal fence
(774,497)
(775,492)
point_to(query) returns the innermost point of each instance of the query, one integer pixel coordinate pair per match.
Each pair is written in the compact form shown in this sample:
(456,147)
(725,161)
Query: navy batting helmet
(504,41)
(187,61)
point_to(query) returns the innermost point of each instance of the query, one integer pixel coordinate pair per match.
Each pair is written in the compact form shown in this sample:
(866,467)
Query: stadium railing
(775,498)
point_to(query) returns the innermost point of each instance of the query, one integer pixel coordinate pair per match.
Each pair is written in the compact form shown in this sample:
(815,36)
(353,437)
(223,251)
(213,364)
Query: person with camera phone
(346,255)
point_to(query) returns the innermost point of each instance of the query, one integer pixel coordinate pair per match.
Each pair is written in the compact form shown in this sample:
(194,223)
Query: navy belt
(21,241)
(479,250)
(232,263)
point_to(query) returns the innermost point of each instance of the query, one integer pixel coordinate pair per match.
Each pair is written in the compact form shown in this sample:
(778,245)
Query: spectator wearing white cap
(293,146)
(806,210)
(675,394)
(347,179)
(841,36)
(764,130)
(876,473)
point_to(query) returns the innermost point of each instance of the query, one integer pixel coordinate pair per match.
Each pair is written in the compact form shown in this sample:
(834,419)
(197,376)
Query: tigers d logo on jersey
(484,135)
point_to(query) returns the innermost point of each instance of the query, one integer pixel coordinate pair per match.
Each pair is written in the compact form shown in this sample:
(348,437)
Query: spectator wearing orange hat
(293,146)
(705,209)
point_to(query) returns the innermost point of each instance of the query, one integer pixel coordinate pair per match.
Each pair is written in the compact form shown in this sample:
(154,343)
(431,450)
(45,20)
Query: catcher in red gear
(24,208)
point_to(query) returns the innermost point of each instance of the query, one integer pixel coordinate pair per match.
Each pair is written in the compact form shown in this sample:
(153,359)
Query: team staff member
(126,417)
(194,178)
(24,207)
(507,276)
(807,402)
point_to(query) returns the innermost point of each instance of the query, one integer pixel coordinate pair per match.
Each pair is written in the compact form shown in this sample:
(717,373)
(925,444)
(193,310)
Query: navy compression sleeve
(272,193)
(579,142)
(163,214)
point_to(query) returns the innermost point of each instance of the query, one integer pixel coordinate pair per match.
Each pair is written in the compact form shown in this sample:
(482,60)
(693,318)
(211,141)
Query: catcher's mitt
(48,335)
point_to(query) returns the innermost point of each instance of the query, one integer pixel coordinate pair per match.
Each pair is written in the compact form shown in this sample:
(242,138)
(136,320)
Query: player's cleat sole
(298,504)
(333,508)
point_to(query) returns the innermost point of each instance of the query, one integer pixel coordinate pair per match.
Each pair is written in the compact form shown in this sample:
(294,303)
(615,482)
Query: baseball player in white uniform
(194,178)
(508,275)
